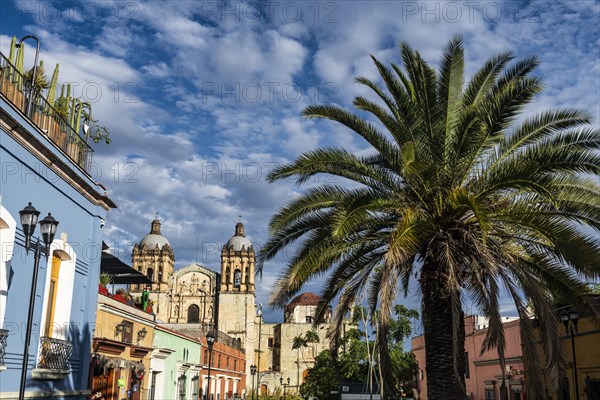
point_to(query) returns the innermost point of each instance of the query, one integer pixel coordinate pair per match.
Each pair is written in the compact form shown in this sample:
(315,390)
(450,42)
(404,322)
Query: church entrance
(193,314)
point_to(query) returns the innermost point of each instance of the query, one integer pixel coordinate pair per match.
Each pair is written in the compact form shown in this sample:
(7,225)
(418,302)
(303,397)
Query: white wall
(7,243)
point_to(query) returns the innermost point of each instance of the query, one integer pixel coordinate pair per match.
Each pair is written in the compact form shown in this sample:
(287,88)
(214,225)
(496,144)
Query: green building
(175,366)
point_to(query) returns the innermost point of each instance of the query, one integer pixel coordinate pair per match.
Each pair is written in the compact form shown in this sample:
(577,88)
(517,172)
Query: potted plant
(39,83)
(92,129)
(104,281)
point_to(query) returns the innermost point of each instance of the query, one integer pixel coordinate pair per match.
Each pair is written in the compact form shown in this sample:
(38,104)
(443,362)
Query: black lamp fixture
(284,385)
(210,341)
(29,219)
(142,334)
(569,320)
(252,372)
(120,328)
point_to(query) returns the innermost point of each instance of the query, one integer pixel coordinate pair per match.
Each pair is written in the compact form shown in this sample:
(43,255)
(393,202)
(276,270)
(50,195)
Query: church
(195,297)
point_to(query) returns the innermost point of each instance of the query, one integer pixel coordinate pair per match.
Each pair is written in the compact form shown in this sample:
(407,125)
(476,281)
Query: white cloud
(192,137)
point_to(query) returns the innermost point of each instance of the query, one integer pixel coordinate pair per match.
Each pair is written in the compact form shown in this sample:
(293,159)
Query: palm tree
(297,343)
(459,192)
(311,338)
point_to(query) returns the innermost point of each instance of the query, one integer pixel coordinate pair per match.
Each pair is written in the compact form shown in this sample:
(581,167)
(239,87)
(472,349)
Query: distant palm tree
(457,192)
(298,343)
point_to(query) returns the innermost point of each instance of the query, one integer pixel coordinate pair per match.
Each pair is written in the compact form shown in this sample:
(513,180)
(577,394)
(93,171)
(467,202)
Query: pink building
(483,376)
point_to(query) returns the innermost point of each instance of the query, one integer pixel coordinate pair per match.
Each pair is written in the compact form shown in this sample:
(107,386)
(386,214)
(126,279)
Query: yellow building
(122,346)
(586,341)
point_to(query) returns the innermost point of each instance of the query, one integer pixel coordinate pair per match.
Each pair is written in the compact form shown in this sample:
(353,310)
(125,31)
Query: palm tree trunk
(442,382)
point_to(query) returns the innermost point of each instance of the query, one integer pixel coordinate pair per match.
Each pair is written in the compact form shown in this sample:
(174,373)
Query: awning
(119,272)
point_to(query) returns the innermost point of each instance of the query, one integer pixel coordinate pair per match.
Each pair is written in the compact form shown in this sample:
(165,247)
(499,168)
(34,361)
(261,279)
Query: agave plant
(41,81)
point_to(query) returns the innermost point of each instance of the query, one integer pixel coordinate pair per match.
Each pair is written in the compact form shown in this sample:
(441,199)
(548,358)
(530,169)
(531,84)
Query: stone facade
(195,296)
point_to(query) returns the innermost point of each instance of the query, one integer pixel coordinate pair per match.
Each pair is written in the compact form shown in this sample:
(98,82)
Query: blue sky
(202,99)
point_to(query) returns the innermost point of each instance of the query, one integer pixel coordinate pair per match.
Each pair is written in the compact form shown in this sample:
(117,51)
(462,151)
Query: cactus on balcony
(20,67)
(11,58)
(51,98)
(63,102)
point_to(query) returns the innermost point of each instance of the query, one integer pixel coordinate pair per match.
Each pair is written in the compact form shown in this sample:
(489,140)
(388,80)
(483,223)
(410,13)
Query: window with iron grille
(195,387)
(181,387)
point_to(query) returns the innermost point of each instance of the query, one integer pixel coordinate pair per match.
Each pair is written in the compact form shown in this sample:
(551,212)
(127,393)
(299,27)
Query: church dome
(304,299)
(239,240)
(154,238)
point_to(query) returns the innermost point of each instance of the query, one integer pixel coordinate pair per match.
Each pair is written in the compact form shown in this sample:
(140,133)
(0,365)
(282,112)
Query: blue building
(45,162)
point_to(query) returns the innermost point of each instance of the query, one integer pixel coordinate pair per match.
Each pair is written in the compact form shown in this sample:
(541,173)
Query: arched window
(150,274)
(237,278)
(7,237)
(193,314)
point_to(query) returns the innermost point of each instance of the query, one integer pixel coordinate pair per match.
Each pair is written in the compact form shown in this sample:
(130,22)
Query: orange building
(227,369)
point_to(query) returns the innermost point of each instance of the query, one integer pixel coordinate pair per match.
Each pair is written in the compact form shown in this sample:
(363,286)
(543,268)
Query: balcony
(53,362)
(3,339)
(16,89)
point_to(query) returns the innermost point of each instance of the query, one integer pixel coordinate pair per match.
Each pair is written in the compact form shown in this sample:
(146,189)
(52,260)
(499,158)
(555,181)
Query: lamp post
(284,385)
(29,218)
(252,372)
(210,340)
(37,54)
(259,315)
(569,320)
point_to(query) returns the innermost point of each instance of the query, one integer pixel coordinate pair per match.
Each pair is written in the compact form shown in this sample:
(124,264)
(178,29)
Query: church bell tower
(237,300)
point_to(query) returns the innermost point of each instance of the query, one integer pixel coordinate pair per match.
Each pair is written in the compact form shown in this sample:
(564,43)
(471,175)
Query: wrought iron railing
(17,89)
(55,354)
(3,339)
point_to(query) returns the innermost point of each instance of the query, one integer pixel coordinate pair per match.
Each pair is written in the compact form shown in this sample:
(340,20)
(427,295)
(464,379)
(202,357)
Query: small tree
(321,379)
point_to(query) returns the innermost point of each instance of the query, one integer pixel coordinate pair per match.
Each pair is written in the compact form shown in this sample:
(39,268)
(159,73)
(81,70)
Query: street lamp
(284,385)
(259,315)
(252,372)
(37,54)
(210,340)
(569,320)
(29,218)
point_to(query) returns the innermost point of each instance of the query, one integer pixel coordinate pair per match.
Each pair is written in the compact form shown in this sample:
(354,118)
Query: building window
(127,333)
(181,387)
(467,372)
(219,363)
(52,293)
(235,364)
(193,316)
(195,387)
(489,394)
(58,292)
(309,319)
(227,363)
(205,357)
(270,343)
(237,278)
(150,274)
